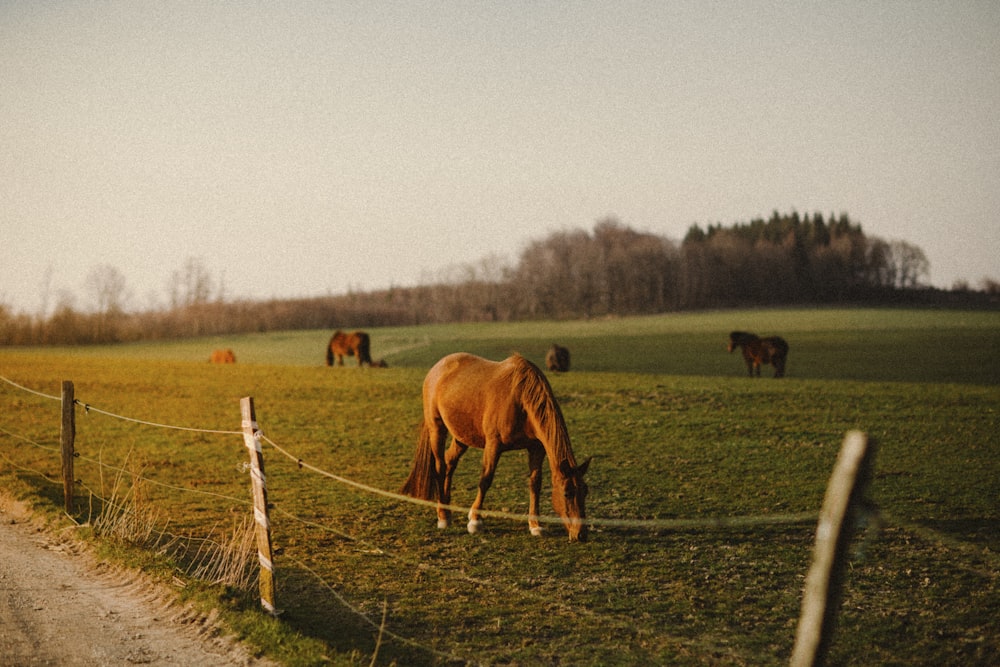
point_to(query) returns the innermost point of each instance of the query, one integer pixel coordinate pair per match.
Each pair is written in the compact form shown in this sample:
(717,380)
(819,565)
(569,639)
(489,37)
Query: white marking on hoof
(475,526)
(536,531)
(442,524)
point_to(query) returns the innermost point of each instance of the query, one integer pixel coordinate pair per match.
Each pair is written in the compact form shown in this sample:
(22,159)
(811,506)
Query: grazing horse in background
(759,351)
(496,407)
(225,356)
(557,358)
(355,344)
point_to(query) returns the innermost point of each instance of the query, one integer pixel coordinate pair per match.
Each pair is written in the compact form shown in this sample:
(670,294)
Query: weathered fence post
(67,435)
(837,518)
(251,438)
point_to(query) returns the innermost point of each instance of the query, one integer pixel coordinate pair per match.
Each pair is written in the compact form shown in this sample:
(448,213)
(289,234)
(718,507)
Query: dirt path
(59,607)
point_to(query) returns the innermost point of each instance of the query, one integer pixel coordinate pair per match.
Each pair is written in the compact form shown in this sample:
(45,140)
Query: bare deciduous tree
(192,285)
(911,264)
(106,286)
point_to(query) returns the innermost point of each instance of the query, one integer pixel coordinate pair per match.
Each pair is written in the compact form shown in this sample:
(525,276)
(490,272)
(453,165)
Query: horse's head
(739,338)
(568,497)
(736,339)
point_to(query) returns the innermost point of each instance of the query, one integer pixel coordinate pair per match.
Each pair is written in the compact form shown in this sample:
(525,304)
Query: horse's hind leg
(438,434)
(535,457)
(451,458)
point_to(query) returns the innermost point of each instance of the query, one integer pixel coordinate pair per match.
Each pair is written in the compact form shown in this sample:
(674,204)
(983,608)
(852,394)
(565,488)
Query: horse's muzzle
(577,531)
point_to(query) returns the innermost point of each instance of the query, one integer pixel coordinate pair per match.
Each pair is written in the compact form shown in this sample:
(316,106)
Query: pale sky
(305,148)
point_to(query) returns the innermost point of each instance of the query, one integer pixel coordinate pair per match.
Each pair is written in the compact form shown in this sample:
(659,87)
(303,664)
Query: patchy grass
(678,435)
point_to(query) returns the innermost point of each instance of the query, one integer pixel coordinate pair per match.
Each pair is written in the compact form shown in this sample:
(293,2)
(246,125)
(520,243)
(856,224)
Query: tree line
(611,270)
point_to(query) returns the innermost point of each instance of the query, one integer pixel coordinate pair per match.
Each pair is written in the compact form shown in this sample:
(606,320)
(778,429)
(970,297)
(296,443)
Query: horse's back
(472,395)
(460,372)
(456,393)
(464,368)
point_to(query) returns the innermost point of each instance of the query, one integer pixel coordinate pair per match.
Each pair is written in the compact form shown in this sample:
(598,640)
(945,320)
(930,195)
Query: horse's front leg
(491,454)
(536,455)
(451,459)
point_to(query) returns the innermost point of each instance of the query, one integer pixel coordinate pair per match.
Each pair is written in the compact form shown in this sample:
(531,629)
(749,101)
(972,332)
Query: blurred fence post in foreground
(837,520)
(67,436)
(251,438)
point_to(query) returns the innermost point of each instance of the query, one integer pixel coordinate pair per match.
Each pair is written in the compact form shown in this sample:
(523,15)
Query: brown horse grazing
(557,358)
(222,357)
(355,344)
(758,351)
(496,407)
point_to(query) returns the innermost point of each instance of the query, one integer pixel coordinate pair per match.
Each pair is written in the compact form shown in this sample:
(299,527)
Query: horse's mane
(530,386)
(740,337)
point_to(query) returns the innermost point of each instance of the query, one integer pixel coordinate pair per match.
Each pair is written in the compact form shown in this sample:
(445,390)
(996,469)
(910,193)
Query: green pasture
(680,439)
(825,343)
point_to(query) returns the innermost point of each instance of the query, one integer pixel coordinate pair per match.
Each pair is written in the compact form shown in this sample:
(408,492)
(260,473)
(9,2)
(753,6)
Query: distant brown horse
(759,351)
(496,407)
(355,344)
(225,356)
(557,358)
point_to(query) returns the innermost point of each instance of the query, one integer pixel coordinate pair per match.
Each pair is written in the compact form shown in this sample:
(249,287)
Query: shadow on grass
(981,532)
(312,610)
(46,492)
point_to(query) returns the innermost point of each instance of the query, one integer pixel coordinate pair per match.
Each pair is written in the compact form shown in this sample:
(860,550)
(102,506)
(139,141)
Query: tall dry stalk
(126,514)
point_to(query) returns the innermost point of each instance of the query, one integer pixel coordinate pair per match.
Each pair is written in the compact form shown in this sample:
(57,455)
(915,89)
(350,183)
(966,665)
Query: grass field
(680,437)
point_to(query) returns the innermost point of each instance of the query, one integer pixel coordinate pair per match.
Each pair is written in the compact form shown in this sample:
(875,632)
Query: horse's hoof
(442,524)
(536,531)
(475,527)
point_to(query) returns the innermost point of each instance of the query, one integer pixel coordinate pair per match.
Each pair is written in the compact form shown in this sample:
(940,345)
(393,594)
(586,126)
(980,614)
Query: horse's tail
(329,353)
(781,354)
(422,482)
(364,349)
(782,346)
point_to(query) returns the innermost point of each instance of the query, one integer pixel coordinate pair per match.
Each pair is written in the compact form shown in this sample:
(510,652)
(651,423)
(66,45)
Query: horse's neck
(537,399)
(556,440)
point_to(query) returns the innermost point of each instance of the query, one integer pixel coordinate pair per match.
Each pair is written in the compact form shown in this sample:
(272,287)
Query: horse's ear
(567,470)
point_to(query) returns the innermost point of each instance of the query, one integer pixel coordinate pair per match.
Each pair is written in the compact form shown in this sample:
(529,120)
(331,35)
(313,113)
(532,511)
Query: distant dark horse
(355,344)
(557,358)
(496,407)
(759,351)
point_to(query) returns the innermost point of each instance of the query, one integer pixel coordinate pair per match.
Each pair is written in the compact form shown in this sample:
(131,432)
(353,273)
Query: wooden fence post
(837,519)
(251,438)
(67,435)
